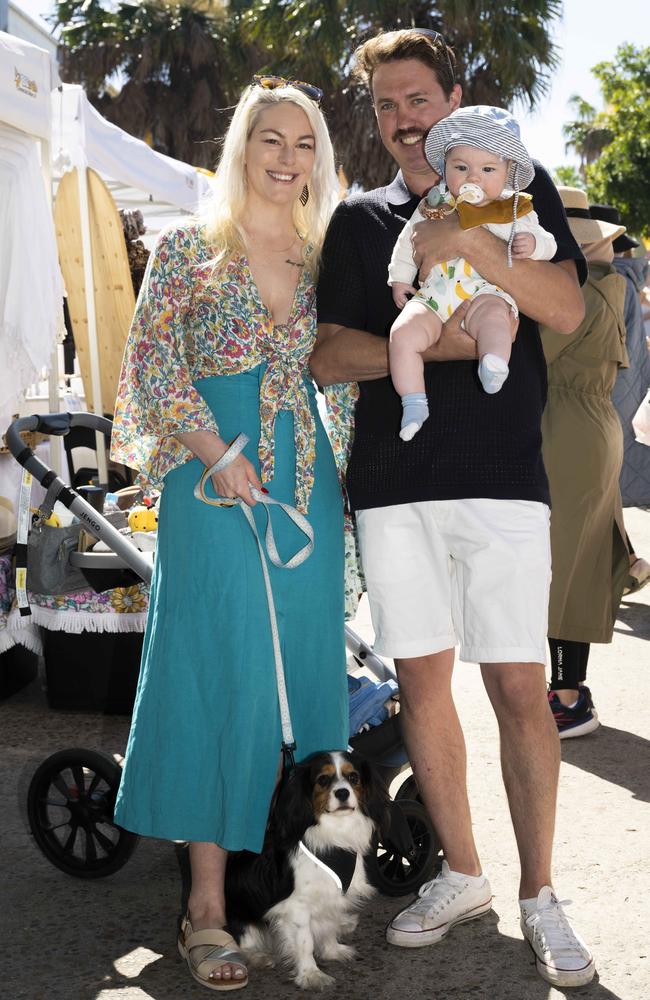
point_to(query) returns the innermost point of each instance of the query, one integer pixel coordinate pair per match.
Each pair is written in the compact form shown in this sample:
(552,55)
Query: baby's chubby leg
(416,328)
(491,322)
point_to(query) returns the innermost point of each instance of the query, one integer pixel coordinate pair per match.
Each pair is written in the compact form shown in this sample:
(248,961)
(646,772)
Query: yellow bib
(501,210)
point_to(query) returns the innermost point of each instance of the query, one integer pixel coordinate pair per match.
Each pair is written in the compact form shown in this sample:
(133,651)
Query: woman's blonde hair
(223,213)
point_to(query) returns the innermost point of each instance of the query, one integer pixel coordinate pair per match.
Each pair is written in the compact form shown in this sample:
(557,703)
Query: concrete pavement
(114,939)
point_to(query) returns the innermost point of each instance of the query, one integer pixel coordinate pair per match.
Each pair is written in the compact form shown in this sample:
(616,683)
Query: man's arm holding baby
(342,354)
(548,293)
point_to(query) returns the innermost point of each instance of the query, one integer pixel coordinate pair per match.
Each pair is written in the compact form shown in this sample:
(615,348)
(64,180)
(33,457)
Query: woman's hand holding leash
(236,479)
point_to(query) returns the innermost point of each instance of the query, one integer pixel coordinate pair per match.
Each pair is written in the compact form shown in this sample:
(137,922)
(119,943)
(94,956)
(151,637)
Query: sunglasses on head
(314,94)
(437,39)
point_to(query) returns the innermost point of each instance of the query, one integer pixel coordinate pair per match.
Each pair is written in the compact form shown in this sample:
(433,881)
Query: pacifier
(436,196)
(471,193)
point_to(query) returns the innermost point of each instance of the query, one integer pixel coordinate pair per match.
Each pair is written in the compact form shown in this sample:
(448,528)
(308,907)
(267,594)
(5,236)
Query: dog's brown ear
(291,811)
(375,798)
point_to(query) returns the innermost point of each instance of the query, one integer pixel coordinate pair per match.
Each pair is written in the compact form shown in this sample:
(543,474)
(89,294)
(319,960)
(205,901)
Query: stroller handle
(61,423)
(48,423)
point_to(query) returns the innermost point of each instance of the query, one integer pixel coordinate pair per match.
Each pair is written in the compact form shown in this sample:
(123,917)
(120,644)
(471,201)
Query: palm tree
(180,63)
(585,134)
(163,71)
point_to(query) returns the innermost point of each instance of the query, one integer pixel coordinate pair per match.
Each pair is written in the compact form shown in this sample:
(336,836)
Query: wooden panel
(114,298)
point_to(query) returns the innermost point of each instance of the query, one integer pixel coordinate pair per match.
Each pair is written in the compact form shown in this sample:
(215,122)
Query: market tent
(31,290)
(81,137)
(74,134)
(27,76)
(156,214)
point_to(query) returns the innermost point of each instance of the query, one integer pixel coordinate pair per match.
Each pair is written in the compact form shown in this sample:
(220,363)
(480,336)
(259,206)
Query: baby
(483,165)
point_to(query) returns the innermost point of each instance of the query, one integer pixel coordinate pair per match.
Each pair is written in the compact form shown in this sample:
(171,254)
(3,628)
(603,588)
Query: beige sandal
(210,949)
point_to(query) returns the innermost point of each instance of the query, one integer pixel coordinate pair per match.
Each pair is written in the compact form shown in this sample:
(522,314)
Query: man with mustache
(454,525)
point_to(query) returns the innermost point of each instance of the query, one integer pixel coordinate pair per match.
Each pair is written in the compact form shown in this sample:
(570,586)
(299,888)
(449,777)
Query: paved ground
(113,939)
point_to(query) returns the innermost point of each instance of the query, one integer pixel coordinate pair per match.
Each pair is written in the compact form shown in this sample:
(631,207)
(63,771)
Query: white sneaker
(449,899)
(561,957)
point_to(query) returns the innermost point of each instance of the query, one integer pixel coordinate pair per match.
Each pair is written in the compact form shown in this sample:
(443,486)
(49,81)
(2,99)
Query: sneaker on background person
(561,956)
(577,719)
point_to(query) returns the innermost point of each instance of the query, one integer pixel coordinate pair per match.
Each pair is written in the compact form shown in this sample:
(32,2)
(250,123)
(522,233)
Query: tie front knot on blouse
(283,387)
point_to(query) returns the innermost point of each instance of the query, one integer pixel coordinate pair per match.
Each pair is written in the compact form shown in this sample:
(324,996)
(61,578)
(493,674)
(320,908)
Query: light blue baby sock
(415,412)
(492,371)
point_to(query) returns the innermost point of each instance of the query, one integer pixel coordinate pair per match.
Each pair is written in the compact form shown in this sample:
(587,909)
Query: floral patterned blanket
(121,610)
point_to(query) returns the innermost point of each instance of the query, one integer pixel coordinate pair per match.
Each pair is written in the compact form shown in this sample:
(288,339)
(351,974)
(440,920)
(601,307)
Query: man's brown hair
(408,43)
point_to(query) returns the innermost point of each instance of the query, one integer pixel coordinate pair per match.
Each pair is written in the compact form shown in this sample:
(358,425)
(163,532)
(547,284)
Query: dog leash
(267,548)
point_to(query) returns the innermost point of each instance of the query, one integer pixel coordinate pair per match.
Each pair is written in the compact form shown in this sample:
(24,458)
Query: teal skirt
(204,748)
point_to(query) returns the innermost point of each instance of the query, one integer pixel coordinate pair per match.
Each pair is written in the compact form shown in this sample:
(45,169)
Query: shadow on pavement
(114,939)
(614,755)
(636,616)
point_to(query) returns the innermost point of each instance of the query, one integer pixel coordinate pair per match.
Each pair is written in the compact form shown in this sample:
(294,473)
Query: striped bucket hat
(492,129)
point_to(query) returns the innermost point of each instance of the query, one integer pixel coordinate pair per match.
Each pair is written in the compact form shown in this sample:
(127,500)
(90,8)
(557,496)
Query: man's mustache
(401,133)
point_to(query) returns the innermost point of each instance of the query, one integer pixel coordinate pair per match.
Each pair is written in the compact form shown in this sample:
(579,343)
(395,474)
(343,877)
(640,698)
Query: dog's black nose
(342,794)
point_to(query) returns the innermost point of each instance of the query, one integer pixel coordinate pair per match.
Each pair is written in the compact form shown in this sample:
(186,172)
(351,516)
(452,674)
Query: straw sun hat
(582,224)
(610,214)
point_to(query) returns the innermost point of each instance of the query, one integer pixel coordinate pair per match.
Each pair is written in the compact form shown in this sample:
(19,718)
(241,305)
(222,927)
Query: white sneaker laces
(435,896)
(551,926)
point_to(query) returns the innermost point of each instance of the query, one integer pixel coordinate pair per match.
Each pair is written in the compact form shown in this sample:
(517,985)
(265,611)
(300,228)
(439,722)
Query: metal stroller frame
(72,793)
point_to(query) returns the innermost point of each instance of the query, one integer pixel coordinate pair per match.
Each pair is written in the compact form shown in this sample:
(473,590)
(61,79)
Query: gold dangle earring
(304,196)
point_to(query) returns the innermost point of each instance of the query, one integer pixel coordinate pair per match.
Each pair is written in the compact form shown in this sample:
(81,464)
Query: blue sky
(589,32)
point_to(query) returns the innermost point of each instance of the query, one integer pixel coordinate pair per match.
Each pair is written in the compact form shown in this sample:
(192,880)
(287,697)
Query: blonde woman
(224,327)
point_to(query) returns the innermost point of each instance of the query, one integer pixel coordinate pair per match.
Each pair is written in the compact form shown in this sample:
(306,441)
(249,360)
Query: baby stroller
(72,793)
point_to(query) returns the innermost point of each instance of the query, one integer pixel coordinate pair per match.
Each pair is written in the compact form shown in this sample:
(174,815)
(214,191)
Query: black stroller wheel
(70,808)
(399,869)
(408,790)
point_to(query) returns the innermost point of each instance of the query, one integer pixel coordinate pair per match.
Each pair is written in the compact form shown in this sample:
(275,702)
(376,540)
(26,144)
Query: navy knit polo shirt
(473,444)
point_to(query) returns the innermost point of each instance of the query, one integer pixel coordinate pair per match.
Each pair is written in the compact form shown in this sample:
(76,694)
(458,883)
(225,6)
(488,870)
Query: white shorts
(474,571)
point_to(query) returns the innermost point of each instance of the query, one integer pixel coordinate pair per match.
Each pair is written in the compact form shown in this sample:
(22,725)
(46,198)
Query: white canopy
(83,138)
(27,76)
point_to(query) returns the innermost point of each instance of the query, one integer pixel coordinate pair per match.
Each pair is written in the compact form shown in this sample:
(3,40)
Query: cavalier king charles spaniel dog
(293,902)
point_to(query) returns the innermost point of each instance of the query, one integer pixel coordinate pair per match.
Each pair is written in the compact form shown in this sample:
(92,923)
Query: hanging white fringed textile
(31,287)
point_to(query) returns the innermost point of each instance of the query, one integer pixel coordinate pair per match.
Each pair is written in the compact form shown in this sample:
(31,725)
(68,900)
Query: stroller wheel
(406,855)
(70,807)
(408,790)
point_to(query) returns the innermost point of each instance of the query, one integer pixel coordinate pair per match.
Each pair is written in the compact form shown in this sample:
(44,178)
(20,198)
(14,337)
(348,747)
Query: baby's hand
(402,293)
(523,245)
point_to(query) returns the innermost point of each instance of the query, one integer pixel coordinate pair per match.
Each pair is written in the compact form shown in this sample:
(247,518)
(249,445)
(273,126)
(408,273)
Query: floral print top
(193,321)
(340,404)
